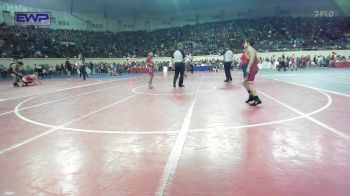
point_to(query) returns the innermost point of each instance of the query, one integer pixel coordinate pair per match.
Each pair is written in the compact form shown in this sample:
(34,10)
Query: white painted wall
(55,61)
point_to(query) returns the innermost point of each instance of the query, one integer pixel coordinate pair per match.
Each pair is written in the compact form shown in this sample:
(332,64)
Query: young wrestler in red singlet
(252,70)
(150,67)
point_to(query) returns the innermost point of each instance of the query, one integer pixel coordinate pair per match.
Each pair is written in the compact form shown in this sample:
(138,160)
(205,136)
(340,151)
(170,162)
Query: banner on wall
(68,43)
(33,18)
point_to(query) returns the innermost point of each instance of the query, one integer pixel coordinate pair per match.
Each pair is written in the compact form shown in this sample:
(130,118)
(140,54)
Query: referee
(227,64)
(178,59)
(282,63)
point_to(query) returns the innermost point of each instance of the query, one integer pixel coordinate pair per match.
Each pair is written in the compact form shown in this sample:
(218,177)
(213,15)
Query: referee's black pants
(227,67)
(83,72)
(282,64)
(179,69)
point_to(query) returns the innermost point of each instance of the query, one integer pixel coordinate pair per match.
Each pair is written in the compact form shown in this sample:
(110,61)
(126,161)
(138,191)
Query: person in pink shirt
(244,63)
(293,63)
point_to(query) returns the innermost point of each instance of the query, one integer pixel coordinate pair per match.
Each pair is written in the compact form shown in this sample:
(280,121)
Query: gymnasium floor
(114,136)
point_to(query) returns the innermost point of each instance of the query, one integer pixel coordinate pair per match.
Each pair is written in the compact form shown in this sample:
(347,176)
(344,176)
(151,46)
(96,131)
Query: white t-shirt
(178,57)
(228,56)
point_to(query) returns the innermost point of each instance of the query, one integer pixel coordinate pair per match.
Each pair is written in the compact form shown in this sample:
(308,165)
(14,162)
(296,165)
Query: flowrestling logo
(323,13)
(33,18)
